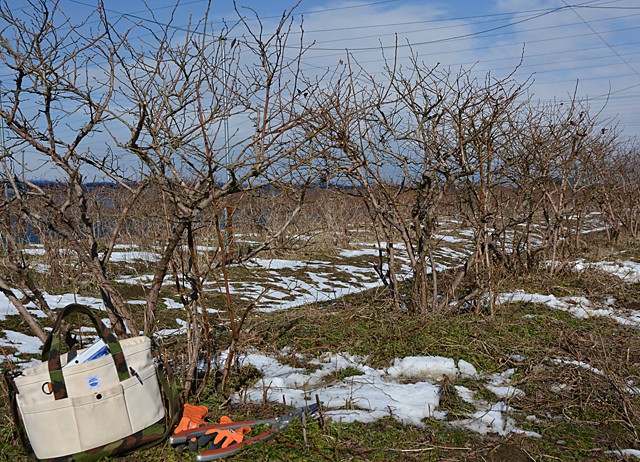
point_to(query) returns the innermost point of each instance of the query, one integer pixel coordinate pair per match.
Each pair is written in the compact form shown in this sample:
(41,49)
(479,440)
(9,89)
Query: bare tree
(167,99)
(616,193)
(53,107)
(405,141)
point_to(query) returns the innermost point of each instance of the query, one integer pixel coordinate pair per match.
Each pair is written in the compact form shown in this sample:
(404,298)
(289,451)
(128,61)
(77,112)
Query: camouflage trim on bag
(116,351)
(51,351)
(146,438)
(150,436)
(171,395)
(58,386)
(120,362)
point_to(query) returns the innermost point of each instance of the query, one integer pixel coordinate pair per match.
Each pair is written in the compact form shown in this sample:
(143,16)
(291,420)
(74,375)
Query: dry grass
(578,412)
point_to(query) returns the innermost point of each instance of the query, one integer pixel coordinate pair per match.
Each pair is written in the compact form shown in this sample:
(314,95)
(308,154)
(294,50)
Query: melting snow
(499,385)
(581,364)
(377,393)
(133,256)
(628,271)
(579,307)
(23,343)
(625,452)
(54,301)
(7,309)
(169,332)
(358,253)
(34,251)
(492,419)
(172,304)
(409,389)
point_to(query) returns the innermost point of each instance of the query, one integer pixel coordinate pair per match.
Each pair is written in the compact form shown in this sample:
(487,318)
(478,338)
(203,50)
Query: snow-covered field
(408,389)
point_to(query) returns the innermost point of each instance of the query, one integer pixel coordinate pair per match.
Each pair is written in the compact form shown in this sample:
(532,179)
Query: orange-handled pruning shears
(227,438)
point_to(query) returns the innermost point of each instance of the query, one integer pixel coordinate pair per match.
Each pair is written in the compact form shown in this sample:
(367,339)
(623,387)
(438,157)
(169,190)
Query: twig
(304,429)
(319,403)
(417,450)
(4,353)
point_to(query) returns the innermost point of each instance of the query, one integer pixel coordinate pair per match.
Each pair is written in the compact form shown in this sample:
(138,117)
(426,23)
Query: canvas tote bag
(105,406)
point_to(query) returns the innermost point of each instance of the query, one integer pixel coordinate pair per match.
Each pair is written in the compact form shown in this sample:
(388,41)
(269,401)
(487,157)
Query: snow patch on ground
(451,239)
(172,304)
(625,452)
(430,368)
(579,307)
(628,271)
(54,301)
(320,284)
(142,280)
(37,250)
(7,309)
(276,264)
(182,329)
(62,300)
(346,253)
(492,419)
(23,344)
(581,364)
(26,344)
(42,268)
(408,390)
(499,385)
(321,280)
(134,256)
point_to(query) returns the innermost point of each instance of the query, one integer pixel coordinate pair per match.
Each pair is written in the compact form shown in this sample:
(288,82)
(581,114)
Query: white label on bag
(93,382)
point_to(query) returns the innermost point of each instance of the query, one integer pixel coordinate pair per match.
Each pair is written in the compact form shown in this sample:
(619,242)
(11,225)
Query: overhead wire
(436,20)
(475,48)
(456,37)
(405,33)
(484,33)
(491,46)
(351,27)
(588,24)
(136,14)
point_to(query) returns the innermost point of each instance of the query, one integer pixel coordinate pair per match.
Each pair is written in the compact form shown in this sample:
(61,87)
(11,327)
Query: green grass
(590,412)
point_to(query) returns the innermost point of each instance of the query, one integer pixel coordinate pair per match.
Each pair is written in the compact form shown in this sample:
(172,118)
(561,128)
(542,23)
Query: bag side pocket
(143,398)
(51,428)
(101,417)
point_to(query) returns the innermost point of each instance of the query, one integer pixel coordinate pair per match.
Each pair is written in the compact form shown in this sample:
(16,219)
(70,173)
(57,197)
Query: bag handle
(51,349)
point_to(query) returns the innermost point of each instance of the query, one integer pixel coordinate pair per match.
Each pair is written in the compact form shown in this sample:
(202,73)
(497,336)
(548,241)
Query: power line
(448,19)
(136,16)
(544,12)
(525,66)
(493,46)
(528,57)
(554,82)
(607,45)
(489,35)
(612,7)
(471,34)
(603,39)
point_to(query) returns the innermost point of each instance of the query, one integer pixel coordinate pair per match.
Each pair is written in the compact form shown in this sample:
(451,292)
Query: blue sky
(594,44)
(591,44)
